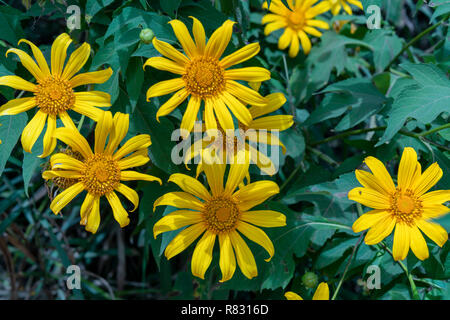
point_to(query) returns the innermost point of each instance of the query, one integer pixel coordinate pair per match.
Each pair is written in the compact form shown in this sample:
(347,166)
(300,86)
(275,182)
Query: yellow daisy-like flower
(297,22)
(322,293)
(258,131)
(220,212)
(336,6)
(407,207)
(204,76)
(53,93)
(101,171)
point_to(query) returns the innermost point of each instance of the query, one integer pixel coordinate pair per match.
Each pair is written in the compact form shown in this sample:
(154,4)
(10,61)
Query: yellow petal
(174,101)
(133,175)
(182,200)
(182,34)
(63,161)
(176,220)
(170,52)
(370,198)
(93,98)
(273,26)
(88,110)
(135,143)
(252,74)
(32,130)
(58,54)
(264,218)
(17,83)
(137,159)
(292,296)
(43,66)
(379,171)
(238,171)
(67,120)
(49,138)
(82,79)
(245,94)
(130,194)
(102,130)
(322,292)
(62,199)
(93,219)
(199,35)
(227,261)
(190,185)
(161,63)
(427,180)
(241,55)
(219,40)
(121,123)
(244,256)
(369,219)
(435,197)
(86,208)
(369,181)
(401,242)
(75,140)
(237,108)
(286,38)
(189,117)
(255,193)
(223,115)
(28,63)
(380,231)
(184,240)
(418,244)
(318,24)
(120,214)
(274,102)
(203,253)
(165,87)
(257,235)
(434,231)
(17,106)
(76,61)
(407,168)
(277,122)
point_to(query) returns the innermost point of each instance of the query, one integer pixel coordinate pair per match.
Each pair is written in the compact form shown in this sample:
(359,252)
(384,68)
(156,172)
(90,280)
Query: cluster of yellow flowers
(300,20)
(224,209)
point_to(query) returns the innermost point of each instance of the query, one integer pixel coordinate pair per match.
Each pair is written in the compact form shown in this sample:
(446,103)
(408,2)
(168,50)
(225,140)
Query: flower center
(54,95)
(405,206)
(101,175)
(296,19)
(221,214)
(204,77)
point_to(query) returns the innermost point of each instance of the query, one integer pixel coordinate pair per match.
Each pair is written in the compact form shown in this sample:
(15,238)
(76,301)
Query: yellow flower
(53,93)
(322,293)
(100,173)
(221,213)
(336,6)
(297,22)
(203,77)
(407,207)
(227,147)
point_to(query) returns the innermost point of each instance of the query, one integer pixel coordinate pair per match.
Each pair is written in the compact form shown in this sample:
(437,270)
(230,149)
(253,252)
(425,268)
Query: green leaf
(170,6)
(10,131)
(386,45)
(31,162)
(94,6)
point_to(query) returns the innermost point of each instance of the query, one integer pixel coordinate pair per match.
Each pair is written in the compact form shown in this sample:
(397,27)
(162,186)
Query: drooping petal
(434,231)
(75,140)
(32,130)
(227,261)
(203,253)
(306,43)
(184,240)
(189,117)
(418,244)
(244,256)
(257,235)
(67,120)
(237,108)
(130,194)
(93,218)
(286,38)
(28,63)
(37,53)
(120,214)
(401,241)
(223,115)
(49,141)
(62,199)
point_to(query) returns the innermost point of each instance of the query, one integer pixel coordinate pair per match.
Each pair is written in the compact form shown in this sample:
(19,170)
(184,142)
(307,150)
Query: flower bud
(146,35)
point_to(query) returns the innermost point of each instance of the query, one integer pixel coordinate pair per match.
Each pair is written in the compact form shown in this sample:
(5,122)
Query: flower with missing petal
(53,93)
(100,171)
(337,5)
(247,138)
(297,21)
(408,206)
(322,293)
(204,76)
(219,213)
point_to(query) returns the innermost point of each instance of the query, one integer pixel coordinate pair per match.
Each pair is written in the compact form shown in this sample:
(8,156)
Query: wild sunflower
(101,171)
(336,6)
(256,132)
(322,293)
(297,21)
(204,76)
(53,93)
(407,207)
(220,212)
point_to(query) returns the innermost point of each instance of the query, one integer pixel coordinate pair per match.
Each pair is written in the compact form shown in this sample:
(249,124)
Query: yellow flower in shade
(322,293)
(407,207)
(297,22)
(101,171)
(53,93)
(258,132)
(220,212)
(203,76)
(336,6)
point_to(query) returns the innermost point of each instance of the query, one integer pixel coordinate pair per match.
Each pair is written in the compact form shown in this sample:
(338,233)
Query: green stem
(415,39)
(412,284)
(426,133)
(80,124)
(347,267)
(322,156)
